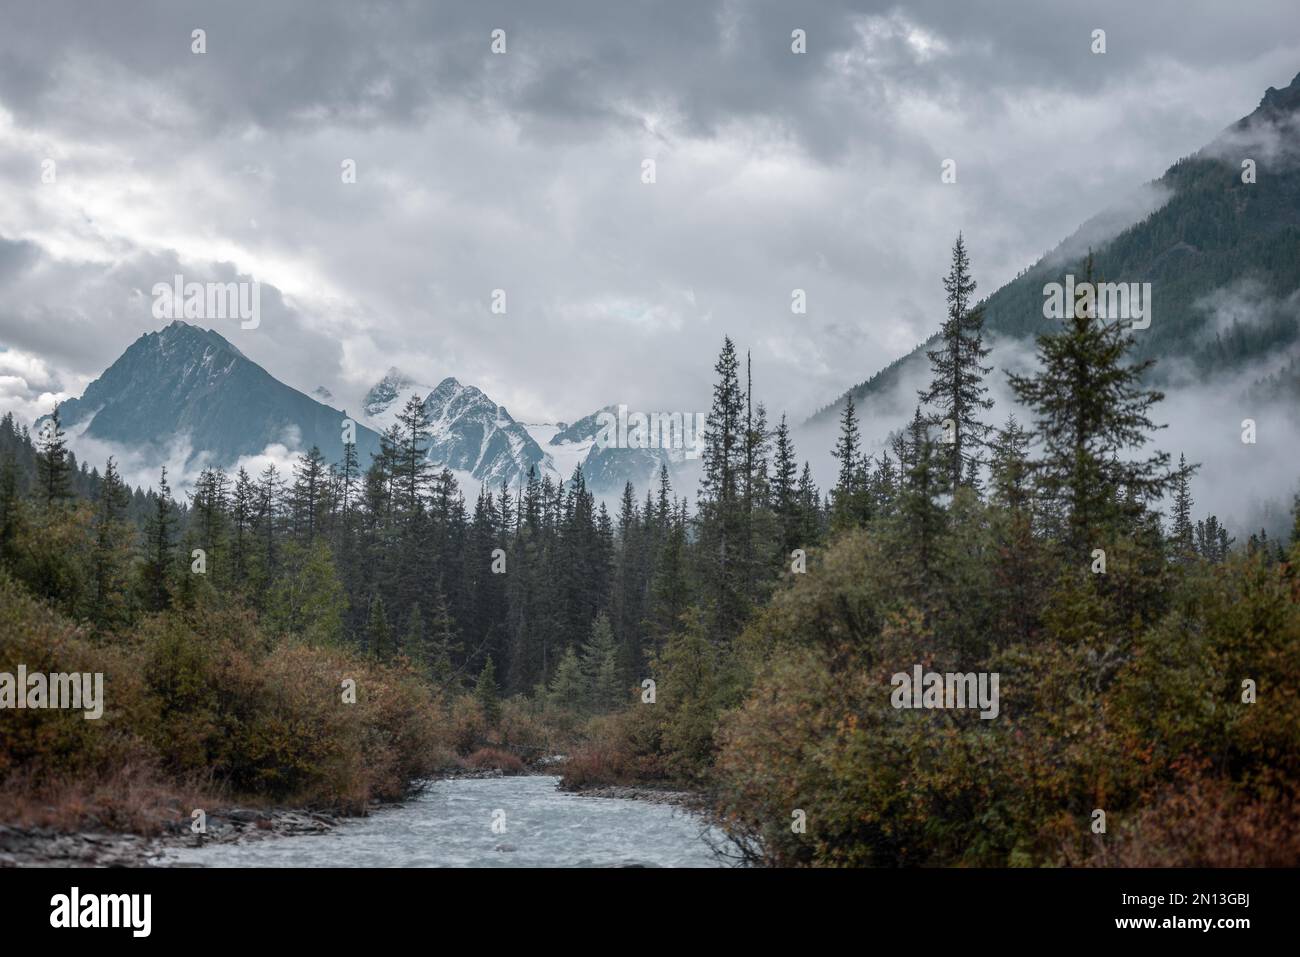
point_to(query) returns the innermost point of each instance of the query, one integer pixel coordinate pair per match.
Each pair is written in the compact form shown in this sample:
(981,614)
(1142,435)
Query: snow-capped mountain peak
(184,382)
(387,397)
(471,433)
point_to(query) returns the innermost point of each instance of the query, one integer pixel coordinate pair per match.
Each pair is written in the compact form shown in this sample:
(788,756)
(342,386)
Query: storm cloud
(126,158)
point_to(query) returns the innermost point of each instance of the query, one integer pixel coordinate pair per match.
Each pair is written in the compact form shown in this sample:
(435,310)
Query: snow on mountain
(607,470)
(562,455)
(387,397)
(191,383)
(470,432)
(188,388)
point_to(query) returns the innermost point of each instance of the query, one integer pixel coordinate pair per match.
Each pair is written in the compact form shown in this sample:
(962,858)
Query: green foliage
(721,565)
(568,689)
(957,389)
(1092,414)
(1102,704)
(109,600)
(696,683)
(850,502)
(204,692)
(600,669)
(772,681)
(54,463)
(379,637)
(308,600)
(487,694)
(158,570)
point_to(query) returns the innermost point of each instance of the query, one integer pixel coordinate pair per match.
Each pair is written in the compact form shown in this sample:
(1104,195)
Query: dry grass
(595,765)
(133,799)
(502,761)
(1208,822)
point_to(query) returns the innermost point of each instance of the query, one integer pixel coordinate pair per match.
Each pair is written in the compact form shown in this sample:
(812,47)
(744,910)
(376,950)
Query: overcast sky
(523,171)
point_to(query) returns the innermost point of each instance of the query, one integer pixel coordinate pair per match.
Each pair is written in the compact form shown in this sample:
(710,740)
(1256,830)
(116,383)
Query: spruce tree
(160,549)
(567,690)
(663,505)
(1010,469)
(379,640)
(9,506)
(53,463)
(270,507)
(1182,535)
(487,694)
(846,496)
(1090,409)
(411,468)
(809,508)
(785,492)
(921,518)
(506,522)
(209,504)
(349,477)
(670,586)
(1212,540)
(243,519)
(309,496)
(884,485)
(957,391)
(111,551)
(629,575)
(1020,570)
(721,515)
(600,668)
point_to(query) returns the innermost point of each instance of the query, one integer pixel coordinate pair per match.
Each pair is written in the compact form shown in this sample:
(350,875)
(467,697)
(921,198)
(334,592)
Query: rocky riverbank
(684,799)
(45,847)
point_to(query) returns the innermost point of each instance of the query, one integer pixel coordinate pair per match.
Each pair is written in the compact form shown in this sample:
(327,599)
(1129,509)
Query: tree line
(391,557)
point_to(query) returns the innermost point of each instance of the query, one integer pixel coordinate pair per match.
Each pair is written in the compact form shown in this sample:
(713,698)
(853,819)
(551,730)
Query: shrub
(622,748)
(495,758)
(468,728)
(201,696)
(1095,712)
(523,730)
(1204,821)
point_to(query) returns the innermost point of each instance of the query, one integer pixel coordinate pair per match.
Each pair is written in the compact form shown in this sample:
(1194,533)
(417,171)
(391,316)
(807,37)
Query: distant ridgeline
(1216,234)
(187,393)
(188,382)
(18,453)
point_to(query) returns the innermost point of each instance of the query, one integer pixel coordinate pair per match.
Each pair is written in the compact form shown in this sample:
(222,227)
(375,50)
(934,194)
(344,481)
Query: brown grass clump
(504,761)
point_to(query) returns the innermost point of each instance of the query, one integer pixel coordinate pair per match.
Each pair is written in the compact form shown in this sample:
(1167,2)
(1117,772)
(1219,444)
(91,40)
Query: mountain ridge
(1212,231)
(184,380)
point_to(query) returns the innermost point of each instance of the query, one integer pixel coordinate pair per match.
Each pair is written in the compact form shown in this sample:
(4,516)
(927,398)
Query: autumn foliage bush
(670,740)
(495,759)
(200,697)
(1201,820)
(622,748)
(1100,709)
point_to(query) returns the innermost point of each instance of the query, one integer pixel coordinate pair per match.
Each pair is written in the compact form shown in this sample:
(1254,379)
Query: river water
(459,823)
